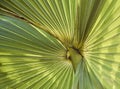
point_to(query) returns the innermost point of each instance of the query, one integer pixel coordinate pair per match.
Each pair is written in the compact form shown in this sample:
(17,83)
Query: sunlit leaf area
(59,44)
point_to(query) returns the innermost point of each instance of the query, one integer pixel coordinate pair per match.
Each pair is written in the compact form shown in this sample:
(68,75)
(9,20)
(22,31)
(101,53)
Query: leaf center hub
(75,56)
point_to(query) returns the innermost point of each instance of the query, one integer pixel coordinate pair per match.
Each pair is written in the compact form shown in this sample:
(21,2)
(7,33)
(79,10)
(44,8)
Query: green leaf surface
(59,44)
(30,58)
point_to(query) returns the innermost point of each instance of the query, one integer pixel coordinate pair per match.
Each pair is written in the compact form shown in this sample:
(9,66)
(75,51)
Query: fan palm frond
(59,44)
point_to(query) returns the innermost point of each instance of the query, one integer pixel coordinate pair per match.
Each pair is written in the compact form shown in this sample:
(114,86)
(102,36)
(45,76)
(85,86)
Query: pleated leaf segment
(59,44)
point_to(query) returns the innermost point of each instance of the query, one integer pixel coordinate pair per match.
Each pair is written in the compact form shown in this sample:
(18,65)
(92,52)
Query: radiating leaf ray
(26,52)
(41,78)
(106,19)
(59,44)
(25,39)
(44,13)
(87,13)
(101,48)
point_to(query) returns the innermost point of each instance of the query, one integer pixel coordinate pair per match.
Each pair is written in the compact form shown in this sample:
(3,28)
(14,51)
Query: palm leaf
(54,16)
(60,44)
(26,53)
